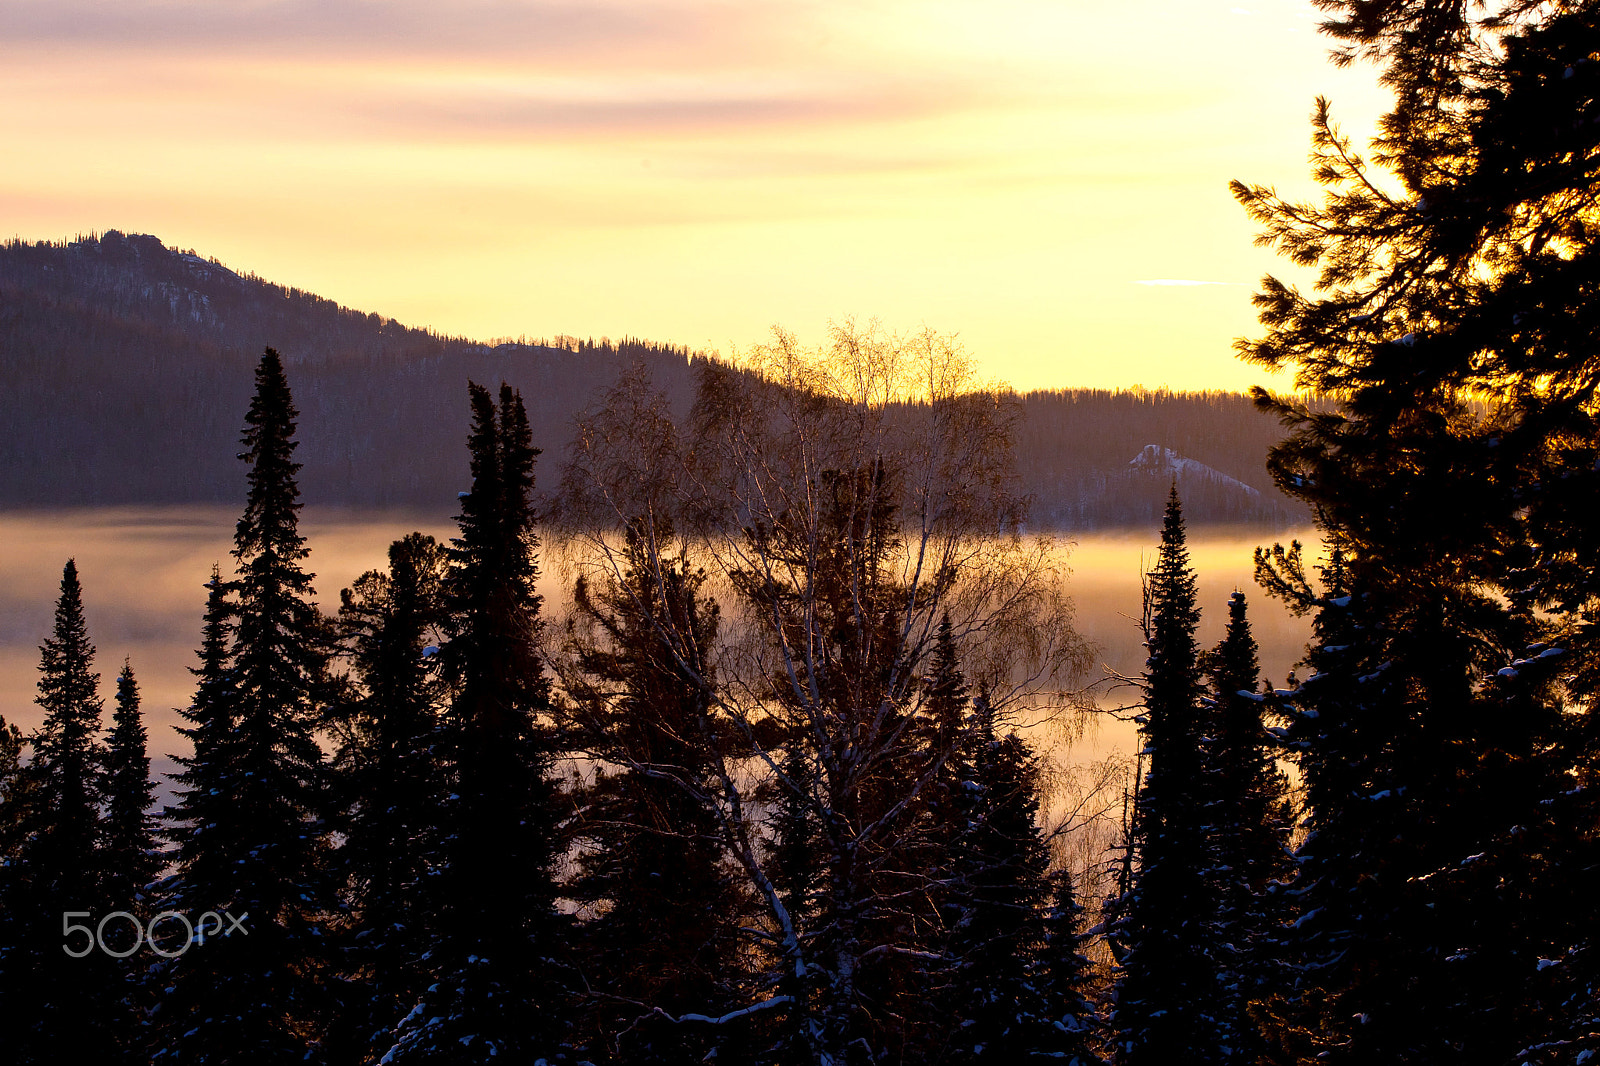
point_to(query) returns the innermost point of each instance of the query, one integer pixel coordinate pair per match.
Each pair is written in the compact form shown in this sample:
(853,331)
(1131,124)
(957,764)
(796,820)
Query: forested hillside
(125,361)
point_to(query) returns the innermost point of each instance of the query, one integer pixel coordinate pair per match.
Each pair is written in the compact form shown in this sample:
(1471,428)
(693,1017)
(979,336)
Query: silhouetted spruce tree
(667,937)
(1066,977)
(1455,688)
(205,843)
(1245,800)
(946,733)
(1355,954)
(54,1006)
(390,781)
(1167,990)
(1353,802)
(496,959)
(945,723)
(255,997)
(198,826)
(11,745)
(1000,998)
(131,857)
(65,826)
(1410,777)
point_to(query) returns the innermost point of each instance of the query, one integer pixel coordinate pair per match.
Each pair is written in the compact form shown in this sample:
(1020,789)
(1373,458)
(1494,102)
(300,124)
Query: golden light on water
(143,569)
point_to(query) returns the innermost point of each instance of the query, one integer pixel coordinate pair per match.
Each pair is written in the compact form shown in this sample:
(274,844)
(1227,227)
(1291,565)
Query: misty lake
(143,569)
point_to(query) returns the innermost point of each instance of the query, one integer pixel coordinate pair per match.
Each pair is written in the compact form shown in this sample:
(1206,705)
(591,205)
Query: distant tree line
(1075,451)
(126,362)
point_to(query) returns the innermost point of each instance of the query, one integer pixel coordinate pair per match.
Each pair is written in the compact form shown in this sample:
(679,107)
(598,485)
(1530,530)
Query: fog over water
(1105,588)
(143,571)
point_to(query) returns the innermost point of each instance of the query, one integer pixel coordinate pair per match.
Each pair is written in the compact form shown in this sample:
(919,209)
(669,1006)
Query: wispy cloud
(493,69)
(611,103)
(1183,282)
(529,28)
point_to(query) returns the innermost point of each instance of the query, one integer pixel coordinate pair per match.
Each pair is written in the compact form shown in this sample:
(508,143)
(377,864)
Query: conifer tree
(1244,796)
(1003,889)
(1066,977)
(390,777)
(58,1006)
(11,745)
(948,731)
(1451,324)
(131,857)
(254,996)
(945,714)
(1408,849)
(1344,864)
(198,826)
(495,990)
(668,934)
(66,826)
(1166,996)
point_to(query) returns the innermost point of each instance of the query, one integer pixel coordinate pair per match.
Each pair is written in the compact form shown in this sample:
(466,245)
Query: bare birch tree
(843,500)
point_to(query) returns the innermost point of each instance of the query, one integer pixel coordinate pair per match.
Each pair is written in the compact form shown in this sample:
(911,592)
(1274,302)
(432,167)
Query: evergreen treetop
(1167,988)
(64,747)
(497,830)
(253,815)
(130,856)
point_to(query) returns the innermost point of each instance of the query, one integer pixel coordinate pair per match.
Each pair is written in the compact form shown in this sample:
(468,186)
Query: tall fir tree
(951,733)
(1345,880)
(131,854)
(1003,994)
(495,964)
(1167,989)
(198,825)
(56,1004)
(666,940)
(1245,798)
(66,754)
(390,782)
(1067,976)
(11,748)
(254,996)
(1453,678)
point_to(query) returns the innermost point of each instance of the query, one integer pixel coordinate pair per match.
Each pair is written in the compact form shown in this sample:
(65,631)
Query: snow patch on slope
(1155,459)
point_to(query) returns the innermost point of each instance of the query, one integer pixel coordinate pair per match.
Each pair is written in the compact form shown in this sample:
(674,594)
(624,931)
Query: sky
(1045,180)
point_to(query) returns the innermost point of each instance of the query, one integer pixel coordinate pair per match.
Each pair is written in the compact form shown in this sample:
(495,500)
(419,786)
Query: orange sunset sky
(695,171)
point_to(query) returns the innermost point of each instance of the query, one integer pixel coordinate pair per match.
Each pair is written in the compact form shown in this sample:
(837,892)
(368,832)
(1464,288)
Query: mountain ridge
(127,365)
